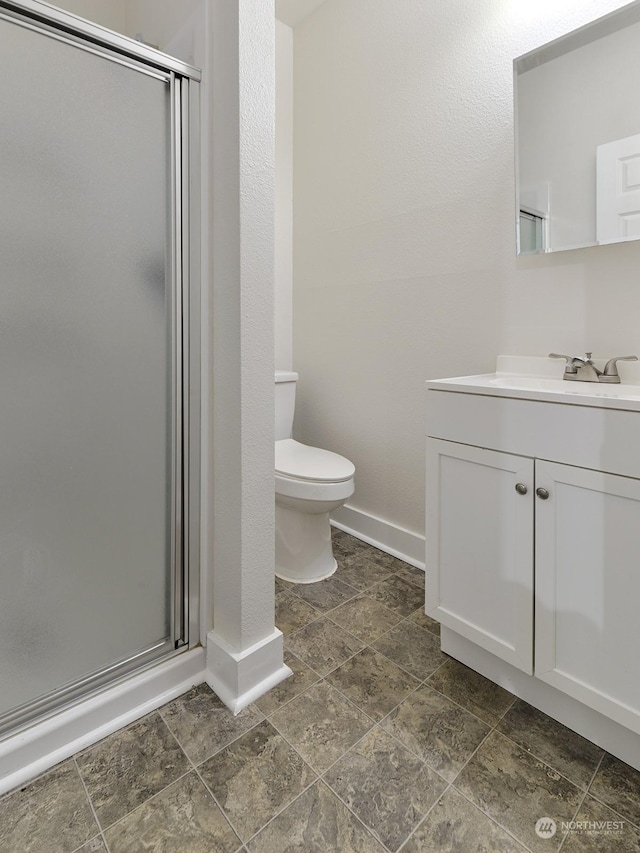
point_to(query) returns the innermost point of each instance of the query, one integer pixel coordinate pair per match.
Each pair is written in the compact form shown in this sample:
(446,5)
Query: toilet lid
(311,463)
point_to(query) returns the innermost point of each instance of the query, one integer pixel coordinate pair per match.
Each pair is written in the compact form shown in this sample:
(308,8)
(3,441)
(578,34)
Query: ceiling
(291,12)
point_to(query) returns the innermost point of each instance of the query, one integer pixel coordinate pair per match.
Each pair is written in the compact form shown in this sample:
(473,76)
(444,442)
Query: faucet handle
(611,367)
(570,366)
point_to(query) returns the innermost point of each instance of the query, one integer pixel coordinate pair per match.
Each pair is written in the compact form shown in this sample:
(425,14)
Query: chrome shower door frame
(184,282)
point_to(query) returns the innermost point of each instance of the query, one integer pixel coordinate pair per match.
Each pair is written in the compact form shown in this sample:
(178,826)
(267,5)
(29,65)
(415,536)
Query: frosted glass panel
(85,355)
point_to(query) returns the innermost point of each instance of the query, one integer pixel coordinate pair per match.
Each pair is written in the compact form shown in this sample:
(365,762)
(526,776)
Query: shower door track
(183,80)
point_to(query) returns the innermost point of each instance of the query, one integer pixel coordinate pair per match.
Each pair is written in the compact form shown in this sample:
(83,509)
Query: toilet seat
(312,474)
(311,464)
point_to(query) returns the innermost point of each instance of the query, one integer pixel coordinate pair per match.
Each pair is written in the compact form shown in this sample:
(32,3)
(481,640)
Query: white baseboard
(616,739)
(31,752)
(388,537)
(239,678)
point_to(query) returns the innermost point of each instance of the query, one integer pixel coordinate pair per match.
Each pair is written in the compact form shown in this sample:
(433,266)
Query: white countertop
(540,378)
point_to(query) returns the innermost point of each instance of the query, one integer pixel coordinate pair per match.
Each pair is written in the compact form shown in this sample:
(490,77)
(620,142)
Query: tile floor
(379,742)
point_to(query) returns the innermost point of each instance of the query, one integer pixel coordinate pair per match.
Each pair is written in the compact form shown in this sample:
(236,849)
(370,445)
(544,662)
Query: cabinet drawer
(601,439)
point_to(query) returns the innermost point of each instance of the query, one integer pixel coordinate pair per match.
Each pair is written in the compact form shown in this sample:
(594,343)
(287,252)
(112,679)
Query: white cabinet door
(588,588)
(480,547)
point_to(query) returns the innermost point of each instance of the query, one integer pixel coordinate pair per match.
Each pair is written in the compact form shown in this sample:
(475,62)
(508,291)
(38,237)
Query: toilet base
(304,553)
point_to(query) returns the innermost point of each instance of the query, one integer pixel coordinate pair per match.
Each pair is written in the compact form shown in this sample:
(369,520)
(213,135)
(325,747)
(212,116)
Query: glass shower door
(89,367)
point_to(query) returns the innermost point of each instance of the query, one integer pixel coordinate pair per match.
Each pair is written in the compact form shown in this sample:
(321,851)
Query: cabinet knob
(543,494)
(521,489)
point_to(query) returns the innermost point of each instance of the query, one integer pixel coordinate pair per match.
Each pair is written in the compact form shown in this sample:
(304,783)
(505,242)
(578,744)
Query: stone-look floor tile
(292,613)
(373,683)
(128,767)
(516,789)
(321,725)
(561,748)
(421,618)
(317,822)
(379,558)
(438,731)
(323,645)
(325,595)
(365,618)
(387,787)
(454,825)
(618,786)
(183,818)
(345,545)
(282,586)
(203,725)
(303,677)
(619,836)
(473,691)
(362,574)
(255,777)
(412,648)
(413,575)
(51,814)
(398,595)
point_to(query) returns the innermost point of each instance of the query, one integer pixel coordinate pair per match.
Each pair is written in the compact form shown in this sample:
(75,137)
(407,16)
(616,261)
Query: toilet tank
(285,402)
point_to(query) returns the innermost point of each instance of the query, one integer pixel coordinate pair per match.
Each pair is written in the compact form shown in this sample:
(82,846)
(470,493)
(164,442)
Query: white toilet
(310,483)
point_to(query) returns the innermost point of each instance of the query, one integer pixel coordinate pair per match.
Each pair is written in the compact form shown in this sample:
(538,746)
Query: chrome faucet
(578,369)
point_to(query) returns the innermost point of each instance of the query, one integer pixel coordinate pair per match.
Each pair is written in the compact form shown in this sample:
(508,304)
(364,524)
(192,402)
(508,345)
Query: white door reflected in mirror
(578,137)
(618,190)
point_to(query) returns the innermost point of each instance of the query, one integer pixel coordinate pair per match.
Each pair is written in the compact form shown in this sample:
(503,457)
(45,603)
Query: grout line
(93,811)
(575,814)
(543,761)
(492,819)
(146,802)
(464,766)
(233,740)
(584,797)
(492,726)
(508,708)
(369,829)
(286,806)
(194,768)
(636,825)
(215,800)
(423,818)
(615,811)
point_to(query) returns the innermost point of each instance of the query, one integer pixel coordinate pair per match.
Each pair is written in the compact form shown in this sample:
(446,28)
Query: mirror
(578,137)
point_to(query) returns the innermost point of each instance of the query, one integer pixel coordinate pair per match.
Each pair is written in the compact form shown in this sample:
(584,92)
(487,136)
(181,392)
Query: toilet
(310,483)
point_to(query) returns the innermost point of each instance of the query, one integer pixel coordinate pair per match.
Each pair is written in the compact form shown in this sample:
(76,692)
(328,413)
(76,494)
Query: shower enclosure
(98,359)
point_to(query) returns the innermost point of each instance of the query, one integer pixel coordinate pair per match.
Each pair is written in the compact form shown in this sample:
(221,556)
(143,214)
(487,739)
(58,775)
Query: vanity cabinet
(530,558)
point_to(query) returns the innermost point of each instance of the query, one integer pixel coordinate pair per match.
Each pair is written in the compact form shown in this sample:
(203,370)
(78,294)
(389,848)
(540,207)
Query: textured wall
(242,154)
(284,198)
(404,258)
(107,13)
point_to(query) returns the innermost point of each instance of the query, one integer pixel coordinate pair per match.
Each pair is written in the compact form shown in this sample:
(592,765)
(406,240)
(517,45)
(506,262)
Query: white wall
(174,27)
(107,13)
(404,255)
(283,303)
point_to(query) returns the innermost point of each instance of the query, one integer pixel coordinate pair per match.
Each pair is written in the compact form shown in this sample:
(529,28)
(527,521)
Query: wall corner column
(244,649)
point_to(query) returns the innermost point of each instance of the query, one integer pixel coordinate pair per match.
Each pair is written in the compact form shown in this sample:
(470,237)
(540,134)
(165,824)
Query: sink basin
(534,378)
